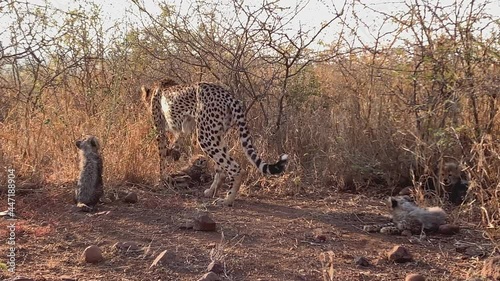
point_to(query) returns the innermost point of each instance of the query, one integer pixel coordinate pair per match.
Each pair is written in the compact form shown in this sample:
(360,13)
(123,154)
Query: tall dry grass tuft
(42,148)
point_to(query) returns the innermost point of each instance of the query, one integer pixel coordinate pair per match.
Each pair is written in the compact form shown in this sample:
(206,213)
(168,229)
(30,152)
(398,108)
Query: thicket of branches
(418,88)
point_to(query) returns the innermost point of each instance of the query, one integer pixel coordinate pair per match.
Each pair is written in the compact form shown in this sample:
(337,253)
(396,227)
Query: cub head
(450,174)
(88,143)
(200,161)
(396,202)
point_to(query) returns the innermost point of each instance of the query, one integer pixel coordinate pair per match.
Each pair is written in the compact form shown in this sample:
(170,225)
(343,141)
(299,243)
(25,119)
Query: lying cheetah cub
(89,188)
(194,174)
(409,218)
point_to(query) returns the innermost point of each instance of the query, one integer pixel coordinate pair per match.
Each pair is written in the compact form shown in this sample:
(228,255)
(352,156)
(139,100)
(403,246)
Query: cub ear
(393,202)
(78,143)
(94,142)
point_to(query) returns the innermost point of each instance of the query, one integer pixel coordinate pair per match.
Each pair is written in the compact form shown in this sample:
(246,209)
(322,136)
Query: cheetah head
(400,202)
(146,96)
(147,92)
(88,143)
(200,161)
(450,174)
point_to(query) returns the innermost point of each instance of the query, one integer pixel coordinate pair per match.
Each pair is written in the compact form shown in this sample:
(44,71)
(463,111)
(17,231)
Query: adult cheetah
(210,110)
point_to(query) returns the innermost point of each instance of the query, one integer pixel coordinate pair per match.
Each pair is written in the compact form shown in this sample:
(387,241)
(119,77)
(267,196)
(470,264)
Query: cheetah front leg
(172,149)
(216,184)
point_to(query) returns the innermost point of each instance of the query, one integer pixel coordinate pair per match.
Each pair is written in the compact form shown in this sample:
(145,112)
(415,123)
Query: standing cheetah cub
(89,189)
(410,218)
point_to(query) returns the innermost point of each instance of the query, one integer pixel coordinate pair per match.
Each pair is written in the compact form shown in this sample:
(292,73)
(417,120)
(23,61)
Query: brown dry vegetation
(373,114)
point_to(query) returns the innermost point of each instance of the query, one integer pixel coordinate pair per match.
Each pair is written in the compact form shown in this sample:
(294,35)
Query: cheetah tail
(250,151)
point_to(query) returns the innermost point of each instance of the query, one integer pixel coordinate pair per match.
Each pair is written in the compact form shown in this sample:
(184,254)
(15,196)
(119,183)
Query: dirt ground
(259,238)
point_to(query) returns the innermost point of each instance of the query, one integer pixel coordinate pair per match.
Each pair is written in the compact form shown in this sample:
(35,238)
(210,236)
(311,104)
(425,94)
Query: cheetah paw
(223,202)
(208,193)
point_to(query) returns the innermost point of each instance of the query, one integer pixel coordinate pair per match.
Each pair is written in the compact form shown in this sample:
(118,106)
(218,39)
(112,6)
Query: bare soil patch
(260,238)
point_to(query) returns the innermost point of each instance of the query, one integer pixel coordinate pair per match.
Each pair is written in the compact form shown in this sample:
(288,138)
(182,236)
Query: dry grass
(345,132)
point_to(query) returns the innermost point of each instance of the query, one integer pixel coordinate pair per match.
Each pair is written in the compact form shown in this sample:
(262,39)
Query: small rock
(491,268)
(319,235)
(128,246)
(210,277)
(20,278)
(399,254)
(93,254)
(67,278)
(361,261)
(215,267)
(130,198)
(203,222)
(414,277)
(162,259)
(448,229)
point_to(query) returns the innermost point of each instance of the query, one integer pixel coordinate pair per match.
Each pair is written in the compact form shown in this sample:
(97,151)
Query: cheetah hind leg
(231,194)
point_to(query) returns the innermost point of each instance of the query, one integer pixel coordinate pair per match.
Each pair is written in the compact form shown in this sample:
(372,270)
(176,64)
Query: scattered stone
(203,222)
(448,229)
(68,278)
(319,235)
(414,277)
(20,278)
(127,246)
(131,197)
(162,259)
(215,267)
(93,254)
(491,268)
(361,261)
(399,254)
(210,276)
